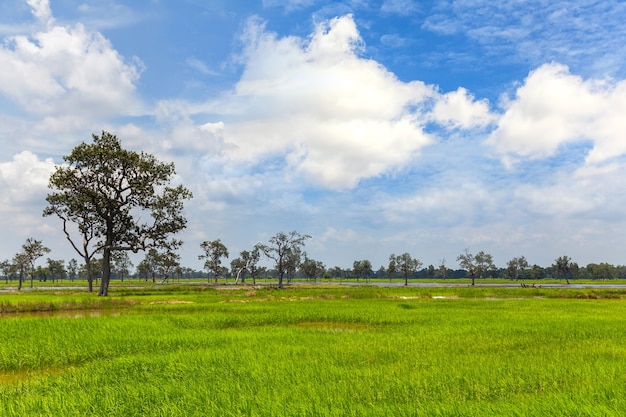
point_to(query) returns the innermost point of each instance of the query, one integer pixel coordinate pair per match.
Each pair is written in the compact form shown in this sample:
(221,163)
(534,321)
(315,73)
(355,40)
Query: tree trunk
(106,271)
(21,280)
(89,275)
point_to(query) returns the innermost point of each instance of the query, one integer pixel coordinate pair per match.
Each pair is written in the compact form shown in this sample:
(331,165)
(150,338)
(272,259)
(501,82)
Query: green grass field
(325,351)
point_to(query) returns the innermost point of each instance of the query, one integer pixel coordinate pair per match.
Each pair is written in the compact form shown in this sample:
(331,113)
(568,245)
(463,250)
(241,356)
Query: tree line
(112,201)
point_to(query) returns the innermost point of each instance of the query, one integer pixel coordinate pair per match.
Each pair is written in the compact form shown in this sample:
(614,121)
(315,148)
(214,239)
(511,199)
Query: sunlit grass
(321,351)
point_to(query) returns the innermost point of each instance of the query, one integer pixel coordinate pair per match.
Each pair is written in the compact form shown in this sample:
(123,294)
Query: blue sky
(377,127)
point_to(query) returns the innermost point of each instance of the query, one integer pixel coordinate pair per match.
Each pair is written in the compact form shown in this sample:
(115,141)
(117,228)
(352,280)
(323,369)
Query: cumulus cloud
(24,179)
(334,116)
(459,109)
(62,70)
(41,11)
(554,107)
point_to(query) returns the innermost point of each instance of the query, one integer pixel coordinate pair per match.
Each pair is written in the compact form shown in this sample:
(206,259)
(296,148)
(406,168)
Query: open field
(183,350)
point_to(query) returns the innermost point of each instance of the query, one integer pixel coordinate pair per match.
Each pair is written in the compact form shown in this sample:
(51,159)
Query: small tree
(442,270)
(281,247)
(515,266)
(393,267)
(121,264)
(31,251)
(312,268)
(407,265)
(484,263)
(7,269)
(247,261)
(214,251)
(362,269)
(56,269)
(72,269)
(563,266)
(467,261)
(119,199)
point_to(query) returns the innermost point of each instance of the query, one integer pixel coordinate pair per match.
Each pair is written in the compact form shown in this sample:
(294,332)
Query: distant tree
(147,267)
(56,269)
(7,268)
(467,261)
(392,269)
(120,199)
(362,269)
(382,272)
(293,261)
(484,263)
(431,271)
(214,251)
(166,263)
(407,265)
(246,262)
(515,266)
(442,270)
(337,272)
(281,247)
(121,264)
(312,268)
(537,272)
(72,269)
(562,266)
(31,251)
(602,271)
(20,261)
(158,263)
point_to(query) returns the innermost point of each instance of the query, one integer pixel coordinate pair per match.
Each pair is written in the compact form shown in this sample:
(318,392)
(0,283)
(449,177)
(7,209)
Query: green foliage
(120,200)
(285,249)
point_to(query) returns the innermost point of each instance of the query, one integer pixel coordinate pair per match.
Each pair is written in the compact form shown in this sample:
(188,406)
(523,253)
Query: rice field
(323,351)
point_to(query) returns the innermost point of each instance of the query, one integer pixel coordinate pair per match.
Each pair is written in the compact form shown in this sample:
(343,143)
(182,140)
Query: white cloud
(41,11)
(23,179)
(554,107)
(64,70)
(334,116)
(458,109)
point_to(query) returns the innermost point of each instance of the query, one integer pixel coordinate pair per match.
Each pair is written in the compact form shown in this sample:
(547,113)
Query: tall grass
(312,352)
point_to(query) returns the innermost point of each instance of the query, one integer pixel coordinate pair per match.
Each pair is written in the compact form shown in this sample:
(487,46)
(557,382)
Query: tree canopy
(282,249)
(121,200)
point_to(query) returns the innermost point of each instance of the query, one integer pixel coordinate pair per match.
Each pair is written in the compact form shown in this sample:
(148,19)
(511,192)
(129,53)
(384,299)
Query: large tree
(214,251)
(281,250)
(118,198)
